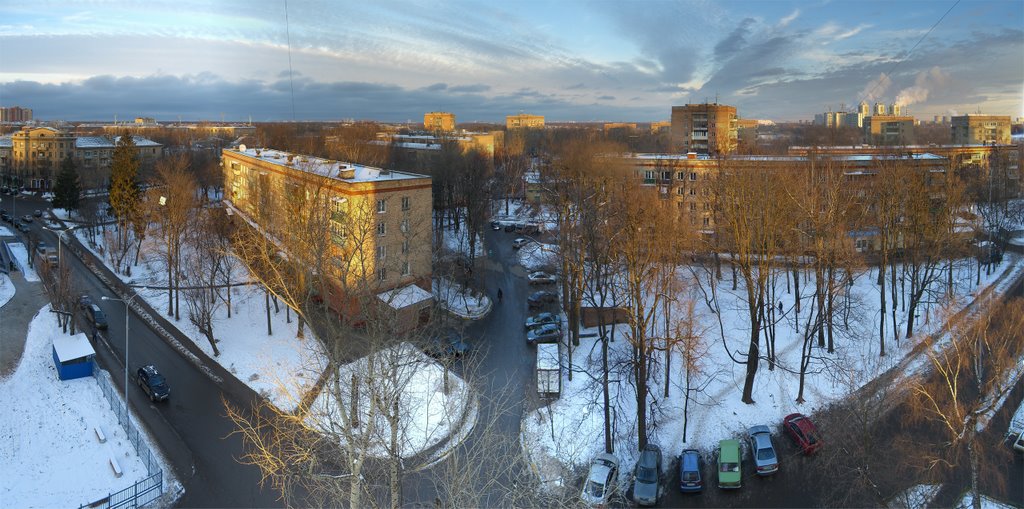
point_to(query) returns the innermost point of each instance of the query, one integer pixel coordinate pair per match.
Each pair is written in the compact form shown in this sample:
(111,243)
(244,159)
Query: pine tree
(68,191)
(124,190)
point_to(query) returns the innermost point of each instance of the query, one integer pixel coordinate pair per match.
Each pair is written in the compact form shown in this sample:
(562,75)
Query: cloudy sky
(565,59)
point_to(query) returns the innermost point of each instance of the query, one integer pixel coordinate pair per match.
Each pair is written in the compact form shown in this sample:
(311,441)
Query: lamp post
(127,303)
(60,238)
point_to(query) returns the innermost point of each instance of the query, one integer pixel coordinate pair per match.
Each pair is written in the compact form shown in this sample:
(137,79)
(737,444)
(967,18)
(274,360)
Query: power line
(288,38)
(888,75)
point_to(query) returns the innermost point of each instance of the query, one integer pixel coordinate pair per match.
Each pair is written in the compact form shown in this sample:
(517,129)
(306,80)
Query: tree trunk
(266,300)
(752,354)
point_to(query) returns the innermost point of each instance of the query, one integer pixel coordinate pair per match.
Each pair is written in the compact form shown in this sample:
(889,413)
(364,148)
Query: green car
(729,464)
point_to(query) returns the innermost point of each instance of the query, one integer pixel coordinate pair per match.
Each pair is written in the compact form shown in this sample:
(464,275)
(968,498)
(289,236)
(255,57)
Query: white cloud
(789,19)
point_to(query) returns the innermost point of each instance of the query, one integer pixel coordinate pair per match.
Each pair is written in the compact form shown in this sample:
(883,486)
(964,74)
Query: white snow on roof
(6,142)
(111,142)
(405,296)
(325,167)
(72,347)
(547,356)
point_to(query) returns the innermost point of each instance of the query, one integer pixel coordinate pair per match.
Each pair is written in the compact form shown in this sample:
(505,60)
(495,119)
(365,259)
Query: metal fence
(146,490)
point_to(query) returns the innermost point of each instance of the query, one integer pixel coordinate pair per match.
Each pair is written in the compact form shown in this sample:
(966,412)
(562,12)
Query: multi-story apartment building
(984,129)
(36,153)
(523,120)
(439,121)
(662,126)
(15,114)
(704,129)
(378,237)
(414,143)
(888,129)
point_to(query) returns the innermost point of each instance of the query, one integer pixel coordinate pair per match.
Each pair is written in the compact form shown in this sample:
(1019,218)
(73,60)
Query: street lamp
(60,238)
(127,302)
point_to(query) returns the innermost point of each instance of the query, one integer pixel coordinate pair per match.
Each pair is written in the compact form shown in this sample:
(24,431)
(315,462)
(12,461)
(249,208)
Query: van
(96,316)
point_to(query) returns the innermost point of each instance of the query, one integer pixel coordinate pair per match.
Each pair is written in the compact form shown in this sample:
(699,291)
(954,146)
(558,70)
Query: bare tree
(174,202)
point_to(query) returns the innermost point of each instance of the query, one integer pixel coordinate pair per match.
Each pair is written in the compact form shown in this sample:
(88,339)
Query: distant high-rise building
(981,129)
(523,120)
(707,128)
(439,121)
(864,109)
(15,114)
(895,109)
(879,109)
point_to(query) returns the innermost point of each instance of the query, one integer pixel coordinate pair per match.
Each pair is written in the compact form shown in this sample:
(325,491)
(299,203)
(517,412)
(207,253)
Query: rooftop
(337,170)
(111,142)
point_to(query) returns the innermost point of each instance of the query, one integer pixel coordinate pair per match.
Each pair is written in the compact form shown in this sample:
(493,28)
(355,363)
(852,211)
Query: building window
(861,245)
(405,203)
(405,268)
(382,273)
(382,207)
(405,246)
(382,252)
(405,226)
(681,175)
(693,191)
(693,175)
(707,221)
(649,177)
(680,190)
(666,175)
(693,206)
(382,229)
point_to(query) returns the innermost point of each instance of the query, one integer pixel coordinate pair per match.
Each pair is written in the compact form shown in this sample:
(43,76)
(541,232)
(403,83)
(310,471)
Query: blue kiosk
(73,356)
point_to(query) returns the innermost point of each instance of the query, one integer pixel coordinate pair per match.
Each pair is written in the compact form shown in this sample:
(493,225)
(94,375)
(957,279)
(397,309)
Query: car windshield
(689,476)
(594,489)
(765,454)
(730,467)
(646,474)
(156,380)
(99,315)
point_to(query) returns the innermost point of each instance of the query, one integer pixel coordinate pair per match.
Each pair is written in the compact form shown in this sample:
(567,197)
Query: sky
(569,60)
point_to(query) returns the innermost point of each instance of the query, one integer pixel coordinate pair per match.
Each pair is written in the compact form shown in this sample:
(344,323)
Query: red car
(803,432)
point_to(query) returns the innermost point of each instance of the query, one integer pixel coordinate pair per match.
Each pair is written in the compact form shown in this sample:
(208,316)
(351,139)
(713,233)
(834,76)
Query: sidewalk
(14,319)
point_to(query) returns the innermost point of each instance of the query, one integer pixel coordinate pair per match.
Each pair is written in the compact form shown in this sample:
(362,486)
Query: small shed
(549,370)
(409,304)
(73,356)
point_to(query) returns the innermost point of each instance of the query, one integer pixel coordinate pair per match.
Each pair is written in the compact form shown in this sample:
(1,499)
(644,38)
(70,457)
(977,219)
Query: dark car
(6,216)
(541,319)
(800,428)
(447,345)
(22,226)
(496,226)
(153,383)
(509,227)
(38,213)
(538,299)
(646,476)
(547,333)
(691,468)
(96,316)
(27,218)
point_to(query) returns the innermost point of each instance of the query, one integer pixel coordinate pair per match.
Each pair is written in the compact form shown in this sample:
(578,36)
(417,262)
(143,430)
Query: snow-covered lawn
(428,416)
(967,502)
(21,257)
(537,255)
(4,232)
(460,300)
(280,366)
(50,455)
(6,289)
(571,428)
(458,241)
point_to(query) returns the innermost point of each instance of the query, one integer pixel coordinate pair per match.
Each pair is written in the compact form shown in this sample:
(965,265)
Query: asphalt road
(191,427)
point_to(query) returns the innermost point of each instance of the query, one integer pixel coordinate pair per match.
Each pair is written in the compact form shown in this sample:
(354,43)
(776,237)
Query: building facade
(15,114)
(378,237)
(439,121)
(524,121)
(981,129)
(704,129)
(888,129)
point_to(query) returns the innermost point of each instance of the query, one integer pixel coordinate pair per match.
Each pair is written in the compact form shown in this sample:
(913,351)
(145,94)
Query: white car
(520,242)
(601,480)
(540,277)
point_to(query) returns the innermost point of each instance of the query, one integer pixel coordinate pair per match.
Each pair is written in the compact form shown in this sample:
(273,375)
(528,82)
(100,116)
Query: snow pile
(6,289)
(537,256)
(915,497)
(4,232)
(428,417)
(51,456)
(986,502)
(459,300)
(21,257)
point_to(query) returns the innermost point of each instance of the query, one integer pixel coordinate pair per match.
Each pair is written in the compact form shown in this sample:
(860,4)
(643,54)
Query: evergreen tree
(68,191)
(124,190)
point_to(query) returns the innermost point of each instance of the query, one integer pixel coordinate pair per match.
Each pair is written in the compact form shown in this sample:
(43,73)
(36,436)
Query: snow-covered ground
(459,300)
(538,255)
(280,366)
(458,241)
(986,503)
(51,456)
(4,232)
(428,416)
(6,289)
(571,428)
(21,257)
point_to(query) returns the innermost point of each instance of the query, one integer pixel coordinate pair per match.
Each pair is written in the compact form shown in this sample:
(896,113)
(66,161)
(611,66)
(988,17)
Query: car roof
(759,429)
(690,459)
(763,440)
(730,451)
(151,369)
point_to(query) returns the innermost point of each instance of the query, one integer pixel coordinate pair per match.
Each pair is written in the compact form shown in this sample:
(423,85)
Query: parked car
(520,242)
(6,216)
(1018,442)
(691,466)
(22,227)
(96,316)
(803,432)
(729,463)
(153,383)
(541,277)
(647,476)
(27,218)
(447,345)
(541,319)
(496,226)
(538,299)
(766,462)
(38,213)
(547,333)
(599,487)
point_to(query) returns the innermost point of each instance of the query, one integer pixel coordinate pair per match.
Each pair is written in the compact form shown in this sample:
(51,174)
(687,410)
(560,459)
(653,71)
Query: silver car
(646,476)
(600,484)
(762,450)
